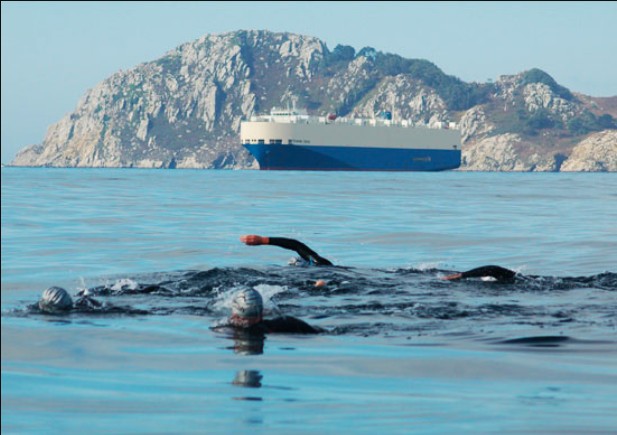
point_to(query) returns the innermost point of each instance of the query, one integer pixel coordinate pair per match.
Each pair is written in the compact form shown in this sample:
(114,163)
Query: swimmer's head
(246,308)
(55,300)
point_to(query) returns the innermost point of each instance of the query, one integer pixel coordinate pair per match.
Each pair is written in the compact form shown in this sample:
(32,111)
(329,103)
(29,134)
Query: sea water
(404,352)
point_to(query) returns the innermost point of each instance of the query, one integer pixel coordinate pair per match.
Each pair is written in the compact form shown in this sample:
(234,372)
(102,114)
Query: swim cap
(55,299)
(247,303)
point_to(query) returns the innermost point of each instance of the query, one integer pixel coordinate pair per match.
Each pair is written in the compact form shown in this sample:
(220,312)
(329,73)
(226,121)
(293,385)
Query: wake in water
(400,302)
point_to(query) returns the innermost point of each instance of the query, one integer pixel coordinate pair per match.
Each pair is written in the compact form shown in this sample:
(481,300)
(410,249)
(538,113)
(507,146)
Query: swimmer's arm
(453,277)
(497,272)
(300,248)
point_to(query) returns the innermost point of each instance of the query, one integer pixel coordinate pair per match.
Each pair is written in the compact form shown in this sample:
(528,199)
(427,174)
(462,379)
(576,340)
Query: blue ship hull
(333,158)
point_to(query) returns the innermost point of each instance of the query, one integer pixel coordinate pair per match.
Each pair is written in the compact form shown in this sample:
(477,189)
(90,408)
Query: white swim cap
(247,303)
(55,299)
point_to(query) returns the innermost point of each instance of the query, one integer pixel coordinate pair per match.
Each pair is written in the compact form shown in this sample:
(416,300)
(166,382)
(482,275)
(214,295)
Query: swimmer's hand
(452,277)
(254,240)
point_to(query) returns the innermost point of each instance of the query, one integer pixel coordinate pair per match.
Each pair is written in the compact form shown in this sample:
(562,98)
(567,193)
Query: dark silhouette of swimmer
(500,274)
(306,253)
(247,316)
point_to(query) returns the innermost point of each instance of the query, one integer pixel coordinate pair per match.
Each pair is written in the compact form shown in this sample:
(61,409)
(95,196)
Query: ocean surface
(403,351)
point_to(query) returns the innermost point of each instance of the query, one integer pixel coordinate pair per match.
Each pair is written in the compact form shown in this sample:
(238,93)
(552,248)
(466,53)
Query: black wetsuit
(281,325)
(303,251)
(251,340)
(501,274)
(87,303)
(287,325)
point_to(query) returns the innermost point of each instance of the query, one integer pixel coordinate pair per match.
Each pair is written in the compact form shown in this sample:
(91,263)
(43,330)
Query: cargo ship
(293,140)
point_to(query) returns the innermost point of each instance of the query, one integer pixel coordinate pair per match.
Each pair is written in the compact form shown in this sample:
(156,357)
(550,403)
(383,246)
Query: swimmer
(55,300)
(498,273)
(247,315)
(306,253)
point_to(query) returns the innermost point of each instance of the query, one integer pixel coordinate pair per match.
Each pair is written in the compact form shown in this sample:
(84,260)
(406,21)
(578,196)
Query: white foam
(267,291)
(428,266)
(125,284)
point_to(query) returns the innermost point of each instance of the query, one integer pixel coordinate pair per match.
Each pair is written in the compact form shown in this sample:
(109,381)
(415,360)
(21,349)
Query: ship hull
(346,158)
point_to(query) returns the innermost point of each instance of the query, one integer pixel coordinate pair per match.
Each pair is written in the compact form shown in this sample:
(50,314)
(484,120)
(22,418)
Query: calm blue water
(406,352)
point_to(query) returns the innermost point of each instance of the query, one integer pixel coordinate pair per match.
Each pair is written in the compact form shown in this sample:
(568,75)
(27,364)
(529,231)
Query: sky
(53,52)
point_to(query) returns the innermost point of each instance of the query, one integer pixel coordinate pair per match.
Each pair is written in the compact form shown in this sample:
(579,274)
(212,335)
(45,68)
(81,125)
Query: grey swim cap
(55,299)
(247,303)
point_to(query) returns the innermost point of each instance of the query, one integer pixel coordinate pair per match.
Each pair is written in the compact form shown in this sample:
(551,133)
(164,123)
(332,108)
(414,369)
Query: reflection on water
(248,378)
(247,343)
(538,341)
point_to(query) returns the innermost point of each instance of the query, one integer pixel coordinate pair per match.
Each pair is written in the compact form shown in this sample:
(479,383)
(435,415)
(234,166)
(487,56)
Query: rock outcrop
(597,153)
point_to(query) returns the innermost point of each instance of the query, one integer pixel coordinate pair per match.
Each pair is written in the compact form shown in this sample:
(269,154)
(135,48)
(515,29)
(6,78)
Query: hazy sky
(52,52)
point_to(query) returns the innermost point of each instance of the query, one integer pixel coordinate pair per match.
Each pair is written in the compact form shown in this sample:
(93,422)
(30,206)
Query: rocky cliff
(184,109)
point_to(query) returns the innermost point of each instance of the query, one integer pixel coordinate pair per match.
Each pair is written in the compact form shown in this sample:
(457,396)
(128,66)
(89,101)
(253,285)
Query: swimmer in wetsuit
(306,253)
(500,274)
(247,315)
(55,300)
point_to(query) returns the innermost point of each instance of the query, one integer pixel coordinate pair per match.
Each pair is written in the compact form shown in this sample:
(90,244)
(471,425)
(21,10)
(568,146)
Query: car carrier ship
(293,140)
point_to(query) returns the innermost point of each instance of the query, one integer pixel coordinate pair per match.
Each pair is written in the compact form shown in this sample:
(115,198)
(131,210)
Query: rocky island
(184,109)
